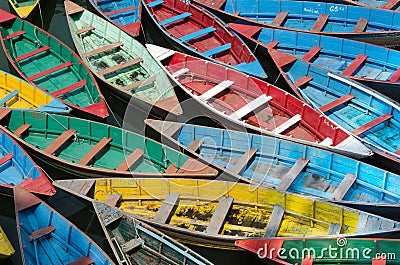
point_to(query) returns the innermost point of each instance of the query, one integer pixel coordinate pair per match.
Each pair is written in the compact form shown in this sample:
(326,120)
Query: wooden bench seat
(212,92)
(175,18)
(95,151)
(155,3)
(320,23)
(219,216)
(314,51)
(132,244)
(132,159)
(279,19)
(32,53)
(84,30)
(197,34)
(217,50)
(361,25)
(195,145)
(41,232)
(395,76)
(4,113)
(8,97)
(274,221)
(120,11)
(49,71)
(369,125)
(82,261)
(180,72)
(165,211)
(22,129)
(352,68)
(343,187)
(70,88)
(15,34)
(243,161)
(250,107)
(6,158)
(102,49)
(337,102)
(140,83)
(112,199)
(390,4)
(272,44)
(287,124)
(121,66)
(59,141)
(292,174)
(302,81)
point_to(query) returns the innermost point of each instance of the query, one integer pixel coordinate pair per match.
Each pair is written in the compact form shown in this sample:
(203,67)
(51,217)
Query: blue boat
(374,66)
(124,14)
(192,29)
(46,237)
(287,166)
(370,116)
(380,4)
(18,169)
(354,22)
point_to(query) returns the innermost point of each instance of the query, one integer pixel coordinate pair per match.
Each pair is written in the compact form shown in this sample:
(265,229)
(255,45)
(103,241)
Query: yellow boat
(6,249)
(17,94)
(24,8)
(216,213)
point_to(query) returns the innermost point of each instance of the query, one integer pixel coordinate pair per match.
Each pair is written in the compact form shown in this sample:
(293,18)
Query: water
(77,211)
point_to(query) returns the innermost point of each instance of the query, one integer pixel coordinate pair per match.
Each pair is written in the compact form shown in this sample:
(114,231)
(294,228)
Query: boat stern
(351,146)
(56,107)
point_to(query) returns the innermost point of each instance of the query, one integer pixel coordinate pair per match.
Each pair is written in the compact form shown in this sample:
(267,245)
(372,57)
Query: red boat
(191,29)
(237,100)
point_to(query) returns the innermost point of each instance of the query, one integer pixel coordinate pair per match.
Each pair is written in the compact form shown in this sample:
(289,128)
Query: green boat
(45,61)
(327,251)
(134,242)
(83,148)
(121,62)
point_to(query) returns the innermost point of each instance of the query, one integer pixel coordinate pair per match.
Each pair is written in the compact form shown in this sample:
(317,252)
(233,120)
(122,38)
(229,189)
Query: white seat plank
(287,124)
(251,106)
(216,90)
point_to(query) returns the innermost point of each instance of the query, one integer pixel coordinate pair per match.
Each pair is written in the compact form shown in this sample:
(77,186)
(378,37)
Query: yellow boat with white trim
(216,213)
(24,8)
(6,249)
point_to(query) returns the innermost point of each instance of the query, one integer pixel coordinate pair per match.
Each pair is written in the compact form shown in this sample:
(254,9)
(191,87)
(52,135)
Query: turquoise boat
(122,63)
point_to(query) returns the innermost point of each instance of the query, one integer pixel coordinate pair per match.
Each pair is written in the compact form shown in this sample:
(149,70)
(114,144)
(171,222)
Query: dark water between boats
(77,211)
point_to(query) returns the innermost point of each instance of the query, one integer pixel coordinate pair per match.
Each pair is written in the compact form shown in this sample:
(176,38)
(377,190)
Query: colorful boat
(122,62)
(124,14)
(24,8)
(354,22)
(17,94)
(213,213)
(327,251)
(45,61)
(86,148)
(6,249)
(46,237)
(240,101)
(367,114)
(18,169)
(194,30)
(287,166)
(135,242)
(380,4)
(372,65)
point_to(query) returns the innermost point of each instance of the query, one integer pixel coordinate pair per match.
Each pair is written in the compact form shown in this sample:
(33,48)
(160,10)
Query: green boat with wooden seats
(212,213)
(84,148)
(45,61)
(327,251)
(135,242)
(121,62)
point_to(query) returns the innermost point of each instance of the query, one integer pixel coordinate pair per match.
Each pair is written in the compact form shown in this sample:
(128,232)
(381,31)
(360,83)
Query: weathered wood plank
(95,150)
(303,80)
(352,68)
(21,129)
(311,53)
(219,216)
(41,232)
(195,145)
(112,199)
(243,161)
(104,48)
(133,158)
(369,125)
(292,174)
(320,23)
(274,221)
(361,25)
(344,187)
(59,141)
(336,103)
(279,19)
(165,211)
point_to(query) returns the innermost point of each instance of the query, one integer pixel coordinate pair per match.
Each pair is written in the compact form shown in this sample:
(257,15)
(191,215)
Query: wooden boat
(339,20)
(124,14)
(6,249)
(16,93)
(135,242)
(380,4)
(18,169)
(122,62)
(24,8)
(214,213)
(194,30)
(375,251)
(45,61)
(367,114)
(91,149)
(46,237)
(377,67)
(237,100)
(287,166)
